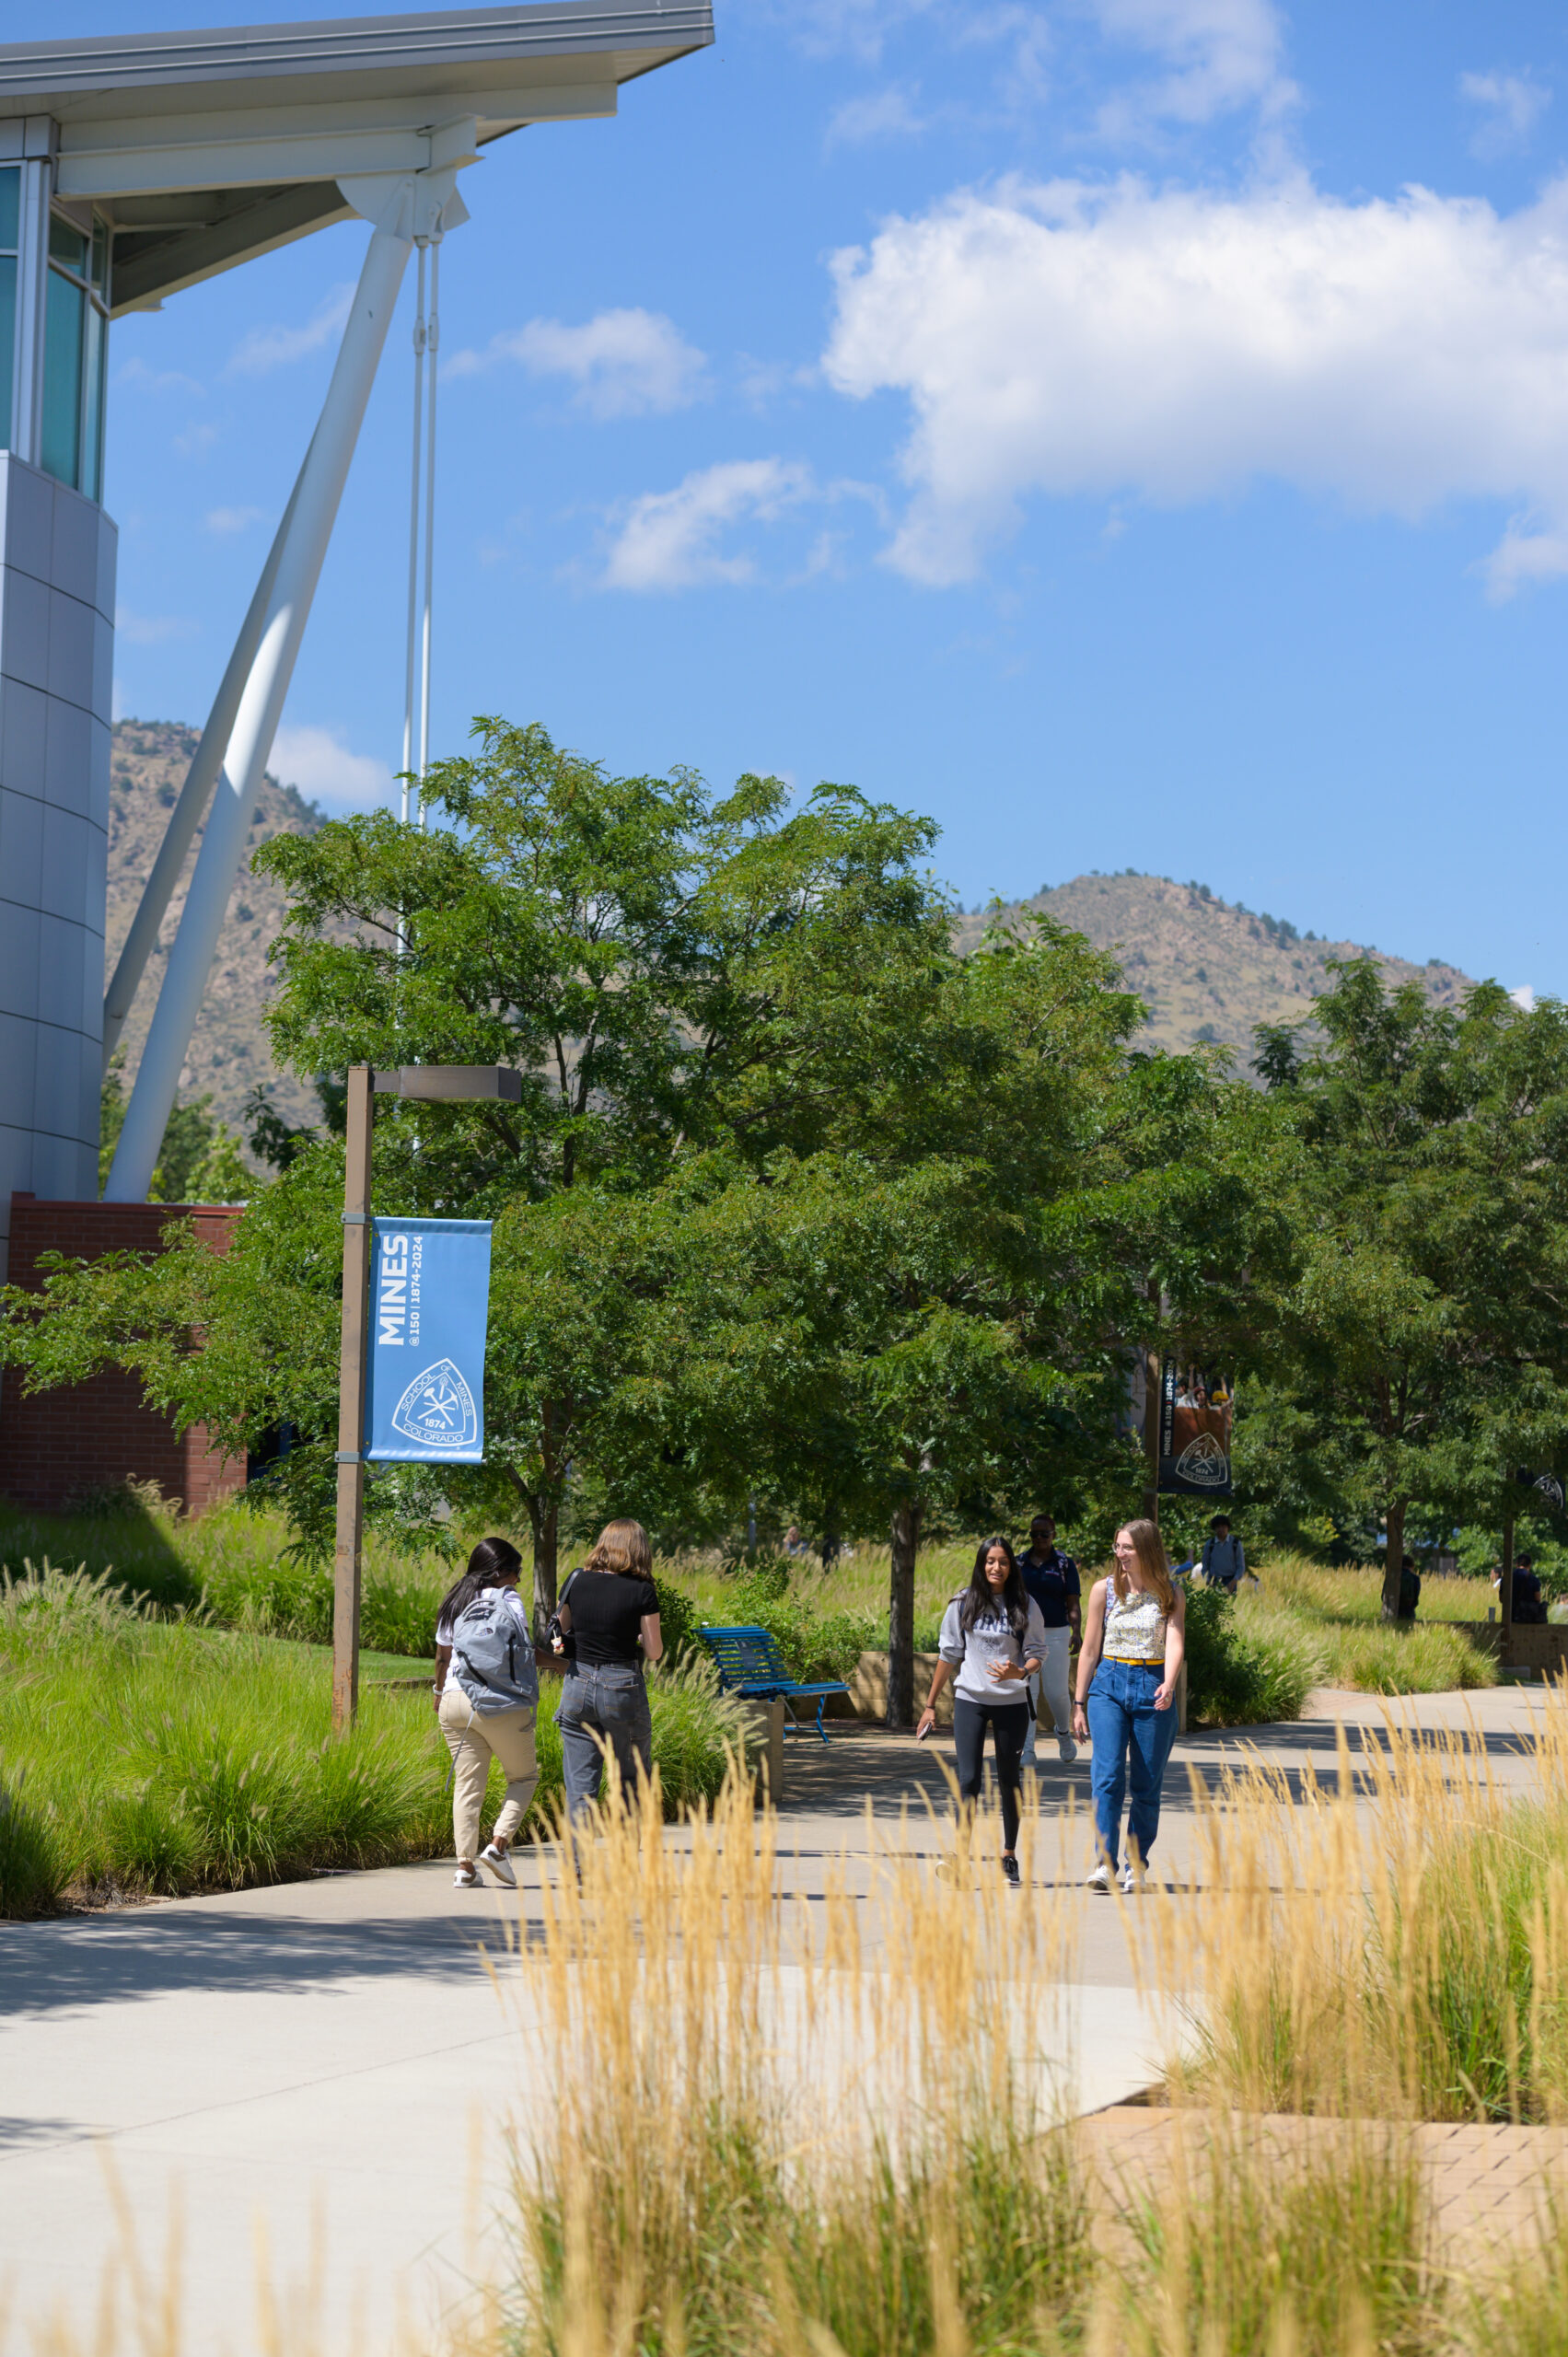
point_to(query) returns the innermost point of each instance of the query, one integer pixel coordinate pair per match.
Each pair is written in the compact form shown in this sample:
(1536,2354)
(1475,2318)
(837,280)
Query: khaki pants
(474,1739)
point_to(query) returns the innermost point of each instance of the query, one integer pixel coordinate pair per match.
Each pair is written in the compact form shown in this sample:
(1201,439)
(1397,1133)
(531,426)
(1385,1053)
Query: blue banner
(425,1370)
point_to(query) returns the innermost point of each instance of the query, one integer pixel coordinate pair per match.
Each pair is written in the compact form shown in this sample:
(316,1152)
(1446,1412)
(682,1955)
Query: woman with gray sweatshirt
(992,1644)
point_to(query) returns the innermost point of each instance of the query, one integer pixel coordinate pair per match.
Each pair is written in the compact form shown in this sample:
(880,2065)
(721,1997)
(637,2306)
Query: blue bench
(750,1663)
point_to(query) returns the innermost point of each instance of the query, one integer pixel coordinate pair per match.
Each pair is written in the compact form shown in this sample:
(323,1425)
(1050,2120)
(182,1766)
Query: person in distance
(1052,1579)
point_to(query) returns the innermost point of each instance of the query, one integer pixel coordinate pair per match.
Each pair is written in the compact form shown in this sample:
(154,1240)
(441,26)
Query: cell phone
(921,1733)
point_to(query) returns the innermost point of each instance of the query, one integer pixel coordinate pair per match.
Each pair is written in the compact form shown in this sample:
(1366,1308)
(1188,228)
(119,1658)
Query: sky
(1132,432)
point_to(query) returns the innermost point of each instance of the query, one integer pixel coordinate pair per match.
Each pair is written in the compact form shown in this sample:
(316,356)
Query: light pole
(428,1084)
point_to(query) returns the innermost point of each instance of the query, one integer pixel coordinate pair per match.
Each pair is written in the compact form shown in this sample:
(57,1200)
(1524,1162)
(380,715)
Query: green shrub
(30,1876)
(814,1645)
(1423,1657)
(1245,1663)
(210,1764)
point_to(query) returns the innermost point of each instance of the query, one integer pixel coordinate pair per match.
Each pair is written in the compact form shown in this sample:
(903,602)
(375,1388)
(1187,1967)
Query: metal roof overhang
(204,149)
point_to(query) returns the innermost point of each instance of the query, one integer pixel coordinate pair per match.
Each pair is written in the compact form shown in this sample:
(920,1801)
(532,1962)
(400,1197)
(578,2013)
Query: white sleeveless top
(1134,1630)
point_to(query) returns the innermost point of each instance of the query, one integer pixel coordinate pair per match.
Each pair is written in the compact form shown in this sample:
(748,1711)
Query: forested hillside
(229,1053)
(1205,970)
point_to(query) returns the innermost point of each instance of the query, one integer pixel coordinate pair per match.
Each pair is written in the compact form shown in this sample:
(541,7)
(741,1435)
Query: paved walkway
(334,2055)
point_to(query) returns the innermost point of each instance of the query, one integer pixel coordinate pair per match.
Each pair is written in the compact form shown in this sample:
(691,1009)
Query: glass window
(67,244)
(100,259)
(61,441)
(92,404)
(10,208)
(7,342)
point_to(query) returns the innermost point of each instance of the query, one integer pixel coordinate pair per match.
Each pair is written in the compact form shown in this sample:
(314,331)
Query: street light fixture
(427,1083)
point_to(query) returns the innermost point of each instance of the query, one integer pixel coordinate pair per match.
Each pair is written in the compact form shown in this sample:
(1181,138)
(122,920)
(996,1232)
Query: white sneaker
(1129,1883)
(466,1878)
(1101,1878)
(500,1864)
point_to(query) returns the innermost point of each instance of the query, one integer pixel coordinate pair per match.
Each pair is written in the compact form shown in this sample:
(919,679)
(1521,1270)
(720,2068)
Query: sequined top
(1134,1630)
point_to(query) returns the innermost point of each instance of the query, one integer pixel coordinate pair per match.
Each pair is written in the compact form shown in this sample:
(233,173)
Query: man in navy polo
(1052,1579)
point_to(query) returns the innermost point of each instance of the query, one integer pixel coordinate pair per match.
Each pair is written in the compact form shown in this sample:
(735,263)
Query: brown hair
(622,1547)
(1149,1547)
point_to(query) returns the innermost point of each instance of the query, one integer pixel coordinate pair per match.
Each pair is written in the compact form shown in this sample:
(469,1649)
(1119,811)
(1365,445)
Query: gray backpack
(493,1654)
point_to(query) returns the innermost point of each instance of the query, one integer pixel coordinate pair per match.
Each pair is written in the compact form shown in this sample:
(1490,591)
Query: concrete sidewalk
(336,2055)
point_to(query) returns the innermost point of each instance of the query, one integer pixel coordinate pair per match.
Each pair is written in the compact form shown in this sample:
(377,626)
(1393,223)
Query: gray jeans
(603,1709)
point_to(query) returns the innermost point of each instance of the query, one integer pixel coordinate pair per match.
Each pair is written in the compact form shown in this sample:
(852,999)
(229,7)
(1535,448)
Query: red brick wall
(56,1446)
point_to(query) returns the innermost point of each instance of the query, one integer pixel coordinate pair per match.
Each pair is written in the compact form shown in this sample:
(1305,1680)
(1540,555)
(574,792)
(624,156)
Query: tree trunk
(900,1617)
(1505,1592)
(1393,1563)
(544,1521)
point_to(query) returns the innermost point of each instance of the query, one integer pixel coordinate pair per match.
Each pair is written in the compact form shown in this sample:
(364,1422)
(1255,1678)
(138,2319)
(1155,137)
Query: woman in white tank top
(1133,1643)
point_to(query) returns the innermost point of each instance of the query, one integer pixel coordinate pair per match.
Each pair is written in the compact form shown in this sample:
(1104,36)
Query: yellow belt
(1136,1661)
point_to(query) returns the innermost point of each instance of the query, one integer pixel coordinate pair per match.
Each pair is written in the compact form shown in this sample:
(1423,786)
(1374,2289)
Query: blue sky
(1134,432)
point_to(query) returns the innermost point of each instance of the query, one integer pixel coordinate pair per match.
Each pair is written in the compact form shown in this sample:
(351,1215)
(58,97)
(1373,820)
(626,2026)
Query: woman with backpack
(993,1643)
(486,1696)
(609,1612)
(1134,1639)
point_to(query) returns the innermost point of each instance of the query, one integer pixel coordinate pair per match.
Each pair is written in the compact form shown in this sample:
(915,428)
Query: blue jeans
(1127,1731)
(603,1710)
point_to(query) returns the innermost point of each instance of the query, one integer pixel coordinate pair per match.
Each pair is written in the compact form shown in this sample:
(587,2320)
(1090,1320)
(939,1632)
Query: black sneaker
(1010,1868)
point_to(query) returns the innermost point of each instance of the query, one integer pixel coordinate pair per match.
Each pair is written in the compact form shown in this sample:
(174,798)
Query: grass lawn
(139,1756)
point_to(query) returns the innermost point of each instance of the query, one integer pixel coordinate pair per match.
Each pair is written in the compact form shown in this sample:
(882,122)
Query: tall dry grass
(825,2132)
(1388,1941)
(819,2129)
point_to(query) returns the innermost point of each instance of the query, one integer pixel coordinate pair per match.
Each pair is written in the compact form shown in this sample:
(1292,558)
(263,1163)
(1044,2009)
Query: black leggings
(1009,1724)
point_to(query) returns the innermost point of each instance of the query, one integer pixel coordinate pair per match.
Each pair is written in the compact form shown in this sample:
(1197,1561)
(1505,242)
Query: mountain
(1204,968)
(229,1050)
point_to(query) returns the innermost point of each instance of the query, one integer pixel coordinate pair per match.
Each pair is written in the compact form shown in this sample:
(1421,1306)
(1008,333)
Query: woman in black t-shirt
(610,1609)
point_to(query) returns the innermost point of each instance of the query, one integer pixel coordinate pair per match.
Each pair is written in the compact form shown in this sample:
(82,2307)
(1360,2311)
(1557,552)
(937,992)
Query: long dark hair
(493,1561)
(981,1596)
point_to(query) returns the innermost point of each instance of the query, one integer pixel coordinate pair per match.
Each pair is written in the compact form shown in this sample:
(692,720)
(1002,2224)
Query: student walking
(1052,1579)
(1224,1559)
(993,1638)
(486,1696)
(610,1609)
(1133,1642)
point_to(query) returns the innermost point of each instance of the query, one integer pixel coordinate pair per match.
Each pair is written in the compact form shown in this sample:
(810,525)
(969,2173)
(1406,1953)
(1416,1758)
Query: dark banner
(1195,1415)
(1547,1484)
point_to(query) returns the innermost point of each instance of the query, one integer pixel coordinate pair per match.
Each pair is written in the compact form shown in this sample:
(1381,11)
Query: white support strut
(188,812)
(398,206)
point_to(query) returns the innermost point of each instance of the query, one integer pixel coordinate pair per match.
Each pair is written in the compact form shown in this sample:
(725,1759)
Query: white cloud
(196,441)
(1511,104)
(152,630)
(278,347)
(841,28)
(1179,345)
(883,115)
(228,520)
(1223,54)
(136,375)
(670,539)
(1524,997)
(320,763)
(621,364)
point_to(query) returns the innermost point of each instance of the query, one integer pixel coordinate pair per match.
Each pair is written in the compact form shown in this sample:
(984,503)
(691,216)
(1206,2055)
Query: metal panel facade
(57,554)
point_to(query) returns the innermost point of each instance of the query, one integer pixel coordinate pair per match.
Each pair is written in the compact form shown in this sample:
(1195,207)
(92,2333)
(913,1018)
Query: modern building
(132,166)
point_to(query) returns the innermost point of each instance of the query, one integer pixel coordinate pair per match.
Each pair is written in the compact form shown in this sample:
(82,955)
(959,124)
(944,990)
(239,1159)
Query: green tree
(1416,1332)
(199,1160)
